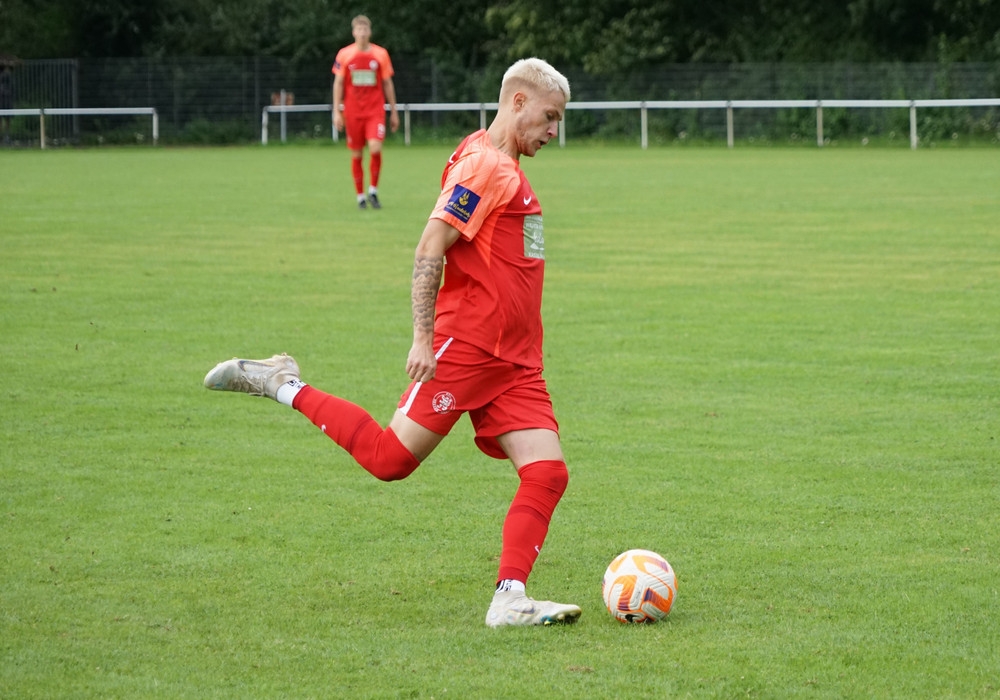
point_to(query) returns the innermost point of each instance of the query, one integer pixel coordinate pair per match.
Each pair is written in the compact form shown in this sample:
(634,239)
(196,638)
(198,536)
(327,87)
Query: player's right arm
(338,101)
(428,268)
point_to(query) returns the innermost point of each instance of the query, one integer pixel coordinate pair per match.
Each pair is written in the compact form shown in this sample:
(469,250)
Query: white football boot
(515,608)
(254,377)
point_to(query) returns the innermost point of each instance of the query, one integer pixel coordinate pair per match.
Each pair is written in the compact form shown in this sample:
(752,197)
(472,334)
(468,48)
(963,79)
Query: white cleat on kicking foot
(254,377)
(515,608)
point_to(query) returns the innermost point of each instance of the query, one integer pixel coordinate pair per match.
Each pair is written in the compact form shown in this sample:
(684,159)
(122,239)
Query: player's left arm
(389,89)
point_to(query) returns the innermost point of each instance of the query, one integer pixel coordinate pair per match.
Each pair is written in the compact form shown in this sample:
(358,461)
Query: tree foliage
(615,36)
(603,37)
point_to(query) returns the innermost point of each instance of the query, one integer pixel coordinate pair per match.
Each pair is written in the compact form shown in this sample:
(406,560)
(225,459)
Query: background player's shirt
(363,73)
(492,291)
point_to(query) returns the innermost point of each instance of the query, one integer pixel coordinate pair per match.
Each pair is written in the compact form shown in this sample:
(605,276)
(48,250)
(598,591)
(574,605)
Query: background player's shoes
(254,377)
(373,200)
(515,608)
(362,204)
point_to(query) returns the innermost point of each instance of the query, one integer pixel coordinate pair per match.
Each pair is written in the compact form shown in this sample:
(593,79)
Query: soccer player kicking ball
(477,339)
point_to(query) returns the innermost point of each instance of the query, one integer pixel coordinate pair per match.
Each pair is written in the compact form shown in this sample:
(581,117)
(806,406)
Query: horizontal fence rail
(82,111)
(481,107)
(484,108)
(644,106)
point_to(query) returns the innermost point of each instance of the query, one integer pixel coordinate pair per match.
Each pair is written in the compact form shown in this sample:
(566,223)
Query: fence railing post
(643,125)
(284,119)
(913,125)
(819,123)
(730,135)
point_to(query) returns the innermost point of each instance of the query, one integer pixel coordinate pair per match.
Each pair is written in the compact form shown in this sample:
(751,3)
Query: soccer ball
(639,586)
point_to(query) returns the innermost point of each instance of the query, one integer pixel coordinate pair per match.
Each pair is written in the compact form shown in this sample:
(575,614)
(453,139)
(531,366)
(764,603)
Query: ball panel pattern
(639,587)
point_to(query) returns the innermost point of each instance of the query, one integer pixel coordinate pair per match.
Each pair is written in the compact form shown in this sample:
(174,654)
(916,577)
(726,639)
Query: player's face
(538,119)
(362,32)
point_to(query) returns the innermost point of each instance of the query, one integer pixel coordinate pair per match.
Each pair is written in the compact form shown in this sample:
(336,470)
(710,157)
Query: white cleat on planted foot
(254,377)
(514,608)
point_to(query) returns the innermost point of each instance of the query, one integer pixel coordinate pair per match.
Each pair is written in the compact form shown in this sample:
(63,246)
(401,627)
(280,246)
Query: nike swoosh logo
(527,201)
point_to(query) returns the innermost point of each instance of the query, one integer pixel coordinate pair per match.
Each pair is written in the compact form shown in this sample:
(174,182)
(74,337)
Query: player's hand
(394,121)
(338,121)
(421,363)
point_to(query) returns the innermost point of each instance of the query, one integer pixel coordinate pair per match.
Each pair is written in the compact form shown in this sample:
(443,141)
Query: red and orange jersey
(363,72)
(492,291)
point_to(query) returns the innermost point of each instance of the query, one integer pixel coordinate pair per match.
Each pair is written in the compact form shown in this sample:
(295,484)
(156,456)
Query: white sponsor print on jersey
(534,238)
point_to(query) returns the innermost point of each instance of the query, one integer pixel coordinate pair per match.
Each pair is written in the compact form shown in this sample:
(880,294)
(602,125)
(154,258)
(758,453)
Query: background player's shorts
(361,130)
(499,396)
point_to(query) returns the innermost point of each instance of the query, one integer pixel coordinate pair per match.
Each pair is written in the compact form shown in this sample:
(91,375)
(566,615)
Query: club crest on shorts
(443,402)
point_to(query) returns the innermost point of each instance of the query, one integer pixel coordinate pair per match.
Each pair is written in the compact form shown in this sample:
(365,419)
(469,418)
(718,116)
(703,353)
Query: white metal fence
(73,111)
(219,100)
(484,108)
(643,107)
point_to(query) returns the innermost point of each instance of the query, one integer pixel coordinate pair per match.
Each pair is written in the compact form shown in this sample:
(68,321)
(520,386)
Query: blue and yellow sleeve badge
(462,203)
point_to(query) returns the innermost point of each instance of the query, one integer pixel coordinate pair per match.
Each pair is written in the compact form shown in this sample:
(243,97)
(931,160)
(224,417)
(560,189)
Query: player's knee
(550,474)
(391,472)
(390,460)
(559,476)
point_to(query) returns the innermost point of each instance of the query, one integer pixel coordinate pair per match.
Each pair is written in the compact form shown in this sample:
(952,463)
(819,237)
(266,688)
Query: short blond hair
(536,73)
(361,19)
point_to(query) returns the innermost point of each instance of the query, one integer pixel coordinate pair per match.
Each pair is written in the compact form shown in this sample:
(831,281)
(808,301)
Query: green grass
(779,368)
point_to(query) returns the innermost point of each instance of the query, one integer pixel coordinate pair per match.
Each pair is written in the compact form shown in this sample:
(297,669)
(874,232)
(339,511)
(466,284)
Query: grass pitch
(778,368)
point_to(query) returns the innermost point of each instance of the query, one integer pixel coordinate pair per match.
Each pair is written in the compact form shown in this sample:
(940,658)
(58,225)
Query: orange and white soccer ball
(639,586)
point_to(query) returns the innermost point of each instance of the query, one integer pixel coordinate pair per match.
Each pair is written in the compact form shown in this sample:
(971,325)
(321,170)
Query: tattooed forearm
(426,282)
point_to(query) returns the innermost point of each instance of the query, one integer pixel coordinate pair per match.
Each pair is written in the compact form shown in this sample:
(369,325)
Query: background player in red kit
(362,85)
(477,339)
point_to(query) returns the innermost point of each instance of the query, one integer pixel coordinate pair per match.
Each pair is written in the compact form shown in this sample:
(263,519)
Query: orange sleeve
(342,59)
(476,185)
(382,56)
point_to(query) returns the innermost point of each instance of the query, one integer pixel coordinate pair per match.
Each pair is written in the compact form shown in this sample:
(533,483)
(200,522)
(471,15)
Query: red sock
(350,426)
(359,174)
(376,167)
(527,522)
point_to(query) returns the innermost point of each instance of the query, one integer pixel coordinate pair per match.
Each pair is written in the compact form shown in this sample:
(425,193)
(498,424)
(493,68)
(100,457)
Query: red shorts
(499,396)
(361,130)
